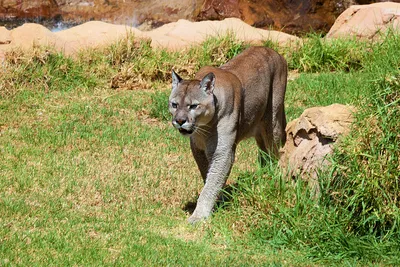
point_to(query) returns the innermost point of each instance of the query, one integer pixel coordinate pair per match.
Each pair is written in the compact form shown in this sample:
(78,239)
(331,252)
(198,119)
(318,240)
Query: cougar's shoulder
(255,60)
(227,88)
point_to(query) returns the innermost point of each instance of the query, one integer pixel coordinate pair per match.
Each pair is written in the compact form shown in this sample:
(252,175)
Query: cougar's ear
(207,83)
(175,79)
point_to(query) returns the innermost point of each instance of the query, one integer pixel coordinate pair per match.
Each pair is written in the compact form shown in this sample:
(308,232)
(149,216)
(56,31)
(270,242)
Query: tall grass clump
(215,51)
(316,54)
(139,66)
(367,165)
(43,69)
(383,55)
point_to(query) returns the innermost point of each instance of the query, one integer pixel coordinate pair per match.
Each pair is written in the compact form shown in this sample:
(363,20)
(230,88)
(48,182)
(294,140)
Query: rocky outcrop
(184,33)
(92,34)
(19,9)
(5,36)
(311,138)
(129,12)
(32,34)
(172,36)
(363,21)
(366,21)
(290,16)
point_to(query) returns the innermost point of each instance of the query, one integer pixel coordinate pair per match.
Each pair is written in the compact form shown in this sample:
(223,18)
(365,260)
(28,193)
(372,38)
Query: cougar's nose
(180,121)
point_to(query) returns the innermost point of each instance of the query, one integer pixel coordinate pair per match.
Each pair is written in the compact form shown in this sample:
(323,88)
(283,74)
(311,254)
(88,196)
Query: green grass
(94,174)
(323,55)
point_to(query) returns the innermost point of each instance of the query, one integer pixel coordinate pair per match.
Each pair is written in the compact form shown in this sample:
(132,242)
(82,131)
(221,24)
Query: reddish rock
(366,21)
(219,10)
(287,15)
(19,9)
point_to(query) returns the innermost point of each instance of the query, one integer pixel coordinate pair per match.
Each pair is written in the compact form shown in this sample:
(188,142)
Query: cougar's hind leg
(264,143)
(271,132)
(278,108)
(279,125)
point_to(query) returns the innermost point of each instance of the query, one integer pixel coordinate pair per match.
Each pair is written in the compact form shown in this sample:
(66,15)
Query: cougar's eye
(174,105)
(193,106)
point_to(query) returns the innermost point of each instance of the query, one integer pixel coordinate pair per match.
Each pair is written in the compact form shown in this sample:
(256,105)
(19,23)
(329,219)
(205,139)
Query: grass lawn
(93,173)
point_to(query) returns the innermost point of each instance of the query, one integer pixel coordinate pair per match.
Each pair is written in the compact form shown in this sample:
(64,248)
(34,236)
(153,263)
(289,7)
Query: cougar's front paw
(197,217)
(195,220)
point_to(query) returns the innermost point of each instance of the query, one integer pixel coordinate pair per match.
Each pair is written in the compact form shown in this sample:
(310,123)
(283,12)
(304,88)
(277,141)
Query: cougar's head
(191,103)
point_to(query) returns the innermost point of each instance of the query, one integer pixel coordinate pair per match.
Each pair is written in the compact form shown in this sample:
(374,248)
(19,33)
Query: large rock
(311,138)
(173,36)
(184,33)
(17,9)
(5,36)
(32,34)
(92,34)
(131,12)
(366,21)
(291,16)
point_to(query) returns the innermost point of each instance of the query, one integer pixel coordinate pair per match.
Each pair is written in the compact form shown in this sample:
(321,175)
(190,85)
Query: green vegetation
(93,174)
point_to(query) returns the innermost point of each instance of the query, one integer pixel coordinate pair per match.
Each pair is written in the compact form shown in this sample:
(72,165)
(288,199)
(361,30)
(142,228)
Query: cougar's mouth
(185,132)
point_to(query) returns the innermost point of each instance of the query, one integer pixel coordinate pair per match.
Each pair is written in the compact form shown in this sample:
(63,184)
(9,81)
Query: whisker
(204,126)
(202,131)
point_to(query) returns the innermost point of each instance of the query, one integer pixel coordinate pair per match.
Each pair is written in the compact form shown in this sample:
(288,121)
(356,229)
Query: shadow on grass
(224,200)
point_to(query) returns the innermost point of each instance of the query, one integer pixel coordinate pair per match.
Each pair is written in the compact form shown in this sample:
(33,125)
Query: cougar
(223,106)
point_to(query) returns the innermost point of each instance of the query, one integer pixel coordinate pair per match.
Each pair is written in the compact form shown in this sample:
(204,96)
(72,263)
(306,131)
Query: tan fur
(222,106)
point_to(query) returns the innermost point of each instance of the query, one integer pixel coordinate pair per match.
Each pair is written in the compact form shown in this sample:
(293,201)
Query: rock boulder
(292,16)
(311,138)
(366,21)
(184,33)
(5,36)
(172,36)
